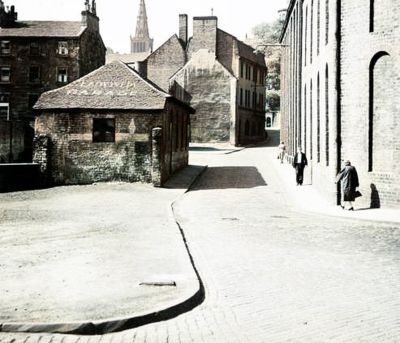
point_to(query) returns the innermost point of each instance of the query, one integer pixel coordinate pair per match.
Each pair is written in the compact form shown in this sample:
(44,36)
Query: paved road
(272,274)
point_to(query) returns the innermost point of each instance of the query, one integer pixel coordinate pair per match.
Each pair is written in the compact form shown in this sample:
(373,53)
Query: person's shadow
(375,200)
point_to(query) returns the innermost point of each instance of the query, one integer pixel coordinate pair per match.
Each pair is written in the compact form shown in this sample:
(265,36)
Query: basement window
(103,130)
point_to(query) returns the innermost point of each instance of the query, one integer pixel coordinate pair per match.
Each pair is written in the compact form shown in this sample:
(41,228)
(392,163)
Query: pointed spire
(142,41)
(142,29)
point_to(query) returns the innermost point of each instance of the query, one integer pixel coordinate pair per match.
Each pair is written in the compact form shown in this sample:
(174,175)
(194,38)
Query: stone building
(340,85)
(218,75)
(112,124)
(37,56)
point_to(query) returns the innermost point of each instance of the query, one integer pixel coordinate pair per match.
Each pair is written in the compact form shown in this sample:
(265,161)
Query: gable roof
(112,86)
(246,51)
(44,29)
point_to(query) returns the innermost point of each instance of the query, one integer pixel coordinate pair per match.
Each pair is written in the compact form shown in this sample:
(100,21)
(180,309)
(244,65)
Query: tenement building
(218,75)
(111,124)
(340,86)
(37,56)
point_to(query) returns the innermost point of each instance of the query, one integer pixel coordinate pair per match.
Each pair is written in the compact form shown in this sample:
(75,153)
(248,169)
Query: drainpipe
(339,95)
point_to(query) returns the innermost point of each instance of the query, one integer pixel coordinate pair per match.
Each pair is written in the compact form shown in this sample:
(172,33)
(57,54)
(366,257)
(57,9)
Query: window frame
(100,126)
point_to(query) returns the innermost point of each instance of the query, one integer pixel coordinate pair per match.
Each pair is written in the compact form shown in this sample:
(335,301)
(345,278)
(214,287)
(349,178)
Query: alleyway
(272,274)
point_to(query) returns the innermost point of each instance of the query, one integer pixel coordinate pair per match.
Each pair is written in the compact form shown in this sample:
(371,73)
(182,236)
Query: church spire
(141,42)
(142,29)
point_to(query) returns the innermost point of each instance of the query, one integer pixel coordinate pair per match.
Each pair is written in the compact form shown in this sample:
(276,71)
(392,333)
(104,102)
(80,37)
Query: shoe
(342,207)
(351,209)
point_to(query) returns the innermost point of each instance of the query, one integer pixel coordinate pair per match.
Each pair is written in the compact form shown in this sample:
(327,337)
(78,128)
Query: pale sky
(118,17)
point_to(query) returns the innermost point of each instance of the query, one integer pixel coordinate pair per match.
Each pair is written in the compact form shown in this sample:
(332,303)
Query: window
(5,74)
(326,22)
(34,49)
(241,97)
(103,130)
(34,74)
(241,69)
(62,75)
(62,48)
(5,47)
(4,106)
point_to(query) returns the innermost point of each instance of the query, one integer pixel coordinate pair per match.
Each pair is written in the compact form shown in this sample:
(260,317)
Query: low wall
(19,176)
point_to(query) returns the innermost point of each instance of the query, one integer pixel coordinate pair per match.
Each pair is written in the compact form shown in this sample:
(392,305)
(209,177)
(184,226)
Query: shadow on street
(230,177)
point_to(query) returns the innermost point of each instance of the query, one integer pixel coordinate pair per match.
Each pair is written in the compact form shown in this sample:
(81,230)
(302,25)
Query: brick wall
(73,157)
(365,129)
(372,59)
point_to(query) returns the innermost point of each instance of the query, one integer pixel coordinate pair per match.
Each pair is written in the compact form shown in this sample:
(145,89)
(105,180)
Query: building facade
(110,125)
(37,56)
(340,78)
(218,75)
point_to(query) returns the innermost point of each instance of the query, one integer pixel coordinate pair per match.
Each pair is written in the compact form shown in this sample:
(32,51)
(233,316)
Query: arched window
(381,94)
(318,120)
(305,117)
(311,31)
(305,36)
(327,115)
(311,119)
(318,25)
(371,15)
(326,21)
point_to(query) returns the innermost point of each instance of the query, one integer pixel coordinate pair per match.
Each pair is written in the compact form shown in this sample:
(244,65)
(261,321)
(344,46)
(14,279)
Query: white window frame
(62,48)
(62,78)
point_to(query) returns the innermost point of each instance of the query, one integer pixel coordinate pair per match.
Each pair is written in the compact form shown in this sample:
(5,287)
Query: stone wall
(212,95)
(76,159)
(65,150)
(165,62)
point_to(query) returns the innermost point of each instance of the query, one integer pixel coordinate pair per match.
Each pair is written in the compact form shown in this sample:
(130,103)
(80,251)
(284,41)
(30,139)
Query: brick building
(218,75)
(37,56)
(111,124)
(340,85)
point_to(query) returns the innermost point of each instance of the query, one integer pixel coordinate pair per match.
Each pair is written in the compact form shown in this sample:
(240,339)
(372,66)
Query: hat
(347,162)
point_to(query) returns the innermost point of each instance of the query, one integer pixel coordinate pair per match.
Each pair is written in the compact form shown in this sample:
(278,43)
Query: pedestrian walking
(348,179)
(282,151)
(299,163)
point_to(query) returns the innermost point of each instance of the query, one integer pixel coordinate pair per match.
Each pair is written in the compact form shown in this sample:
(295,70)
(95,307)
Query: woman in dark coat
(348,179)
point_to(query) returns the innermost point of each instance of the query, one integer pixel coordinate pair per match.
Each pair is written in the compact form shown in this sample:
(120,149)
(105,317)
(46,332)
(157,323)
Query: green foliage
(269,33)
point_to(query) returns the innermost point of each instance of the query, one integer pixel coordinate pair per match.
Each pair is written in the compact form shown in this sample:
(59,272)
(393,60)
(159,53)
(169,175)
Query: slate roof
(112,86)
(44,29)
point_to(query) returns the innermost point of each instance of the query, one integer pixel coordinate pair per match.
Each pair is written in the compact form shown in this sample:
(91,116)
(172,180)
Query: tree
(265,34)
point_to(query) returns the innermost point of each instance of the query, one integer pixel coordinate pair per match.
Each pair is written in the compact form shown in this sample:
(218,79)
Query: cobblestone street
(272,274)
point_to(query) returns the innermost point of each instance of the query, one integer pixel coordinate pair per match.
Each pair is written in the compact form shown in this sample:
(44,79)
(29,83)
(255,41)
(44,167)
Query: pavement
(70,254)
(270,268)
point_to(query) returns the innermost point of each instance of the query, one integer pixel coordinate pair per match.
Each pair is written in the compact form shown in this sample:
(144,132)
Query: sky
(118,17)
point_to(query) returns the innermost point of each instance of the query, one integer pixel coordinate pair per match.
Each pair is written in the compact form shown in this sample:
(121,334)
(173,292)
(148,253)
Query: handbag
(357,194)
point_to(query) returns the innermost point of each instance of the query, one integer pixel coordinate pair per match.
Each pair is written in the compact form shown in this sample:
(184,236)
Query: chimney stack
(205,33)
(183,28)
